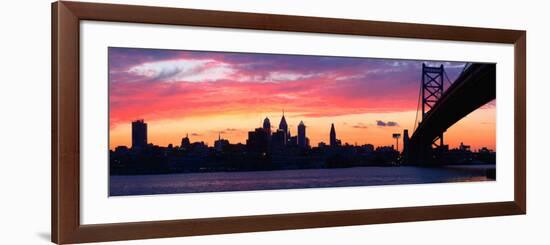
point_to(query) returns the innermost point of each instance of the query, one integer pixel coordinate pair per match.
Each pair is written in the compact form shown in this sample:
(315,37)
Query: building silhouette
(220,144)
(267,126)
(139,134)
(292,141)
(464,147)
(302,142)
(258,141)
(185,142)
(278,138)
(333,140)
(283,126)
(266,150)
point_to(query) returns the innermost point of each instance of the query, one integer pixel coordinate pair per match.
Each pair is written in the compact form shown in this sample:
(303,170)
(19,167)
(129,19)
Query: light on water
(291,179)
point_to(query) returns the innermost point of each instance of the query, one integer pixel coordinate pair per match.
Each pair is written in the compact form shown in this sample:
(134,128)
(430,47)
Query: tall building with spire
(333,140)
(302,142)
(283,125)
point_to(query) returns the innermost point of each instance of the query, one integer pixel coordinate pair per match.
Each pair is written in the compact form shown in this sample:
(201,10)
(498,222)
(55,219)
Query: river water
(291,179)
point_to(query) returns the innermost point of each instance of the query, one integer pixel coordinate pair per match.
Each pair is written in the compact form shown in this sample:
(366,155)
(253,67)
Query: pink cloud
(172,84)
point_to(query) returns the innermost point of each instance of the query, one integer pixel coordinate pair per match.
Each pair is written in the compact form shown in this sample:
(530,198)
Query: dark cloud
(386,124)
(360,126)
(195,134)
(122,58)
(380,123)
(231,129)
(261,65)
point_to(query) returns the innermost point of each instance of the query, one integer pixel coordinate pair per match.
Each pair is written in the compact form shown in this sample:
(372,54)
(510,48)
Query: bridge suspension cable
(464,68)
(417,107)
(447,77)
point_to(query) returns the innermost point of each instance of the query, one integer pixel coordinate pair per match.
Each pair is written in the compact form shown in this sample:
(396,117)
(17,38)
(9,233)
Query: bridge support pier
(420,153)
(432,91)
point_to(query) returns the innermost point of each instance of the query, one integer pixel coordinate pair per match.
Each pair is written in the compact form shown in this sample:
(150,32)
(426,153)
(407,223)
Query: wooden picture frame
(66,225)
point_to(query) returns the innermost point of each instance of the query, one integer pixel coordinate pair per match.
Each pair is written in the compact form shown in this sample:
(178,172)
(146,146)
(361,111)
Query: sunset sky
(204,94)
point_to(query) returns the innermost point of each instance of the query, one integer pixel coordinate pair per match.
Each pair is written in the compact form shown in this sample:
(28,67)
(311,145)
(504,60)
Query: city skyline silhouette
(331,137)
(207,93)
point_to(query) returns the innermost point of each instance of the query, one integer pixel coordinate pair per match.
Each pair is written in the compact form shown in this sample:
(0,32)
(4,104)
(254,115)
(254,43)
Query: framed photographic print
(176,122)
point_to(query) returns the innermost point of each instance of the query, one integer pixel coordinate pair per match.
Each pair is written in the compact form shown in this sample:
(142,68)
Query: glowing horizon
(204,94)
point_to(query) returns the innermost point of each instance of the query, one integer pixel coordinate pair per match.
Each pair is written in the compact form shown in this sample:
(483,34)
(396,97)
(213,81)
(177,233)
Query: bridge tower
(432,90)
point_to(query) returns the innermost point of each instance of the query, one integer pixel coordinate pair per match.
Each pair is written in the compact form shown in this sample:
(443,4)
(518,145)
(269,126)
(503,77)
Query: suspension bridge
(441,108)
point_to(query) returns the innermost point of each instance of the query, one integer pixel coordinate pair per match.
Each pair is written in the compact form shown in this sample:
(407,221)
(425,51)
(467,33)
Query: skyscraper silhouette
(278,139)
(333,141)
(302,135)
(185,142)
(283,126)
(258,141)
(139,134)
(267,126)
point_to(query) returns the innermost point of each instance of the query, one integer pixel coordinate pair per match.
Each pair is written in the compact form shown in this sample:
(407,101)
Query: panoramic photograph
(185,121)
